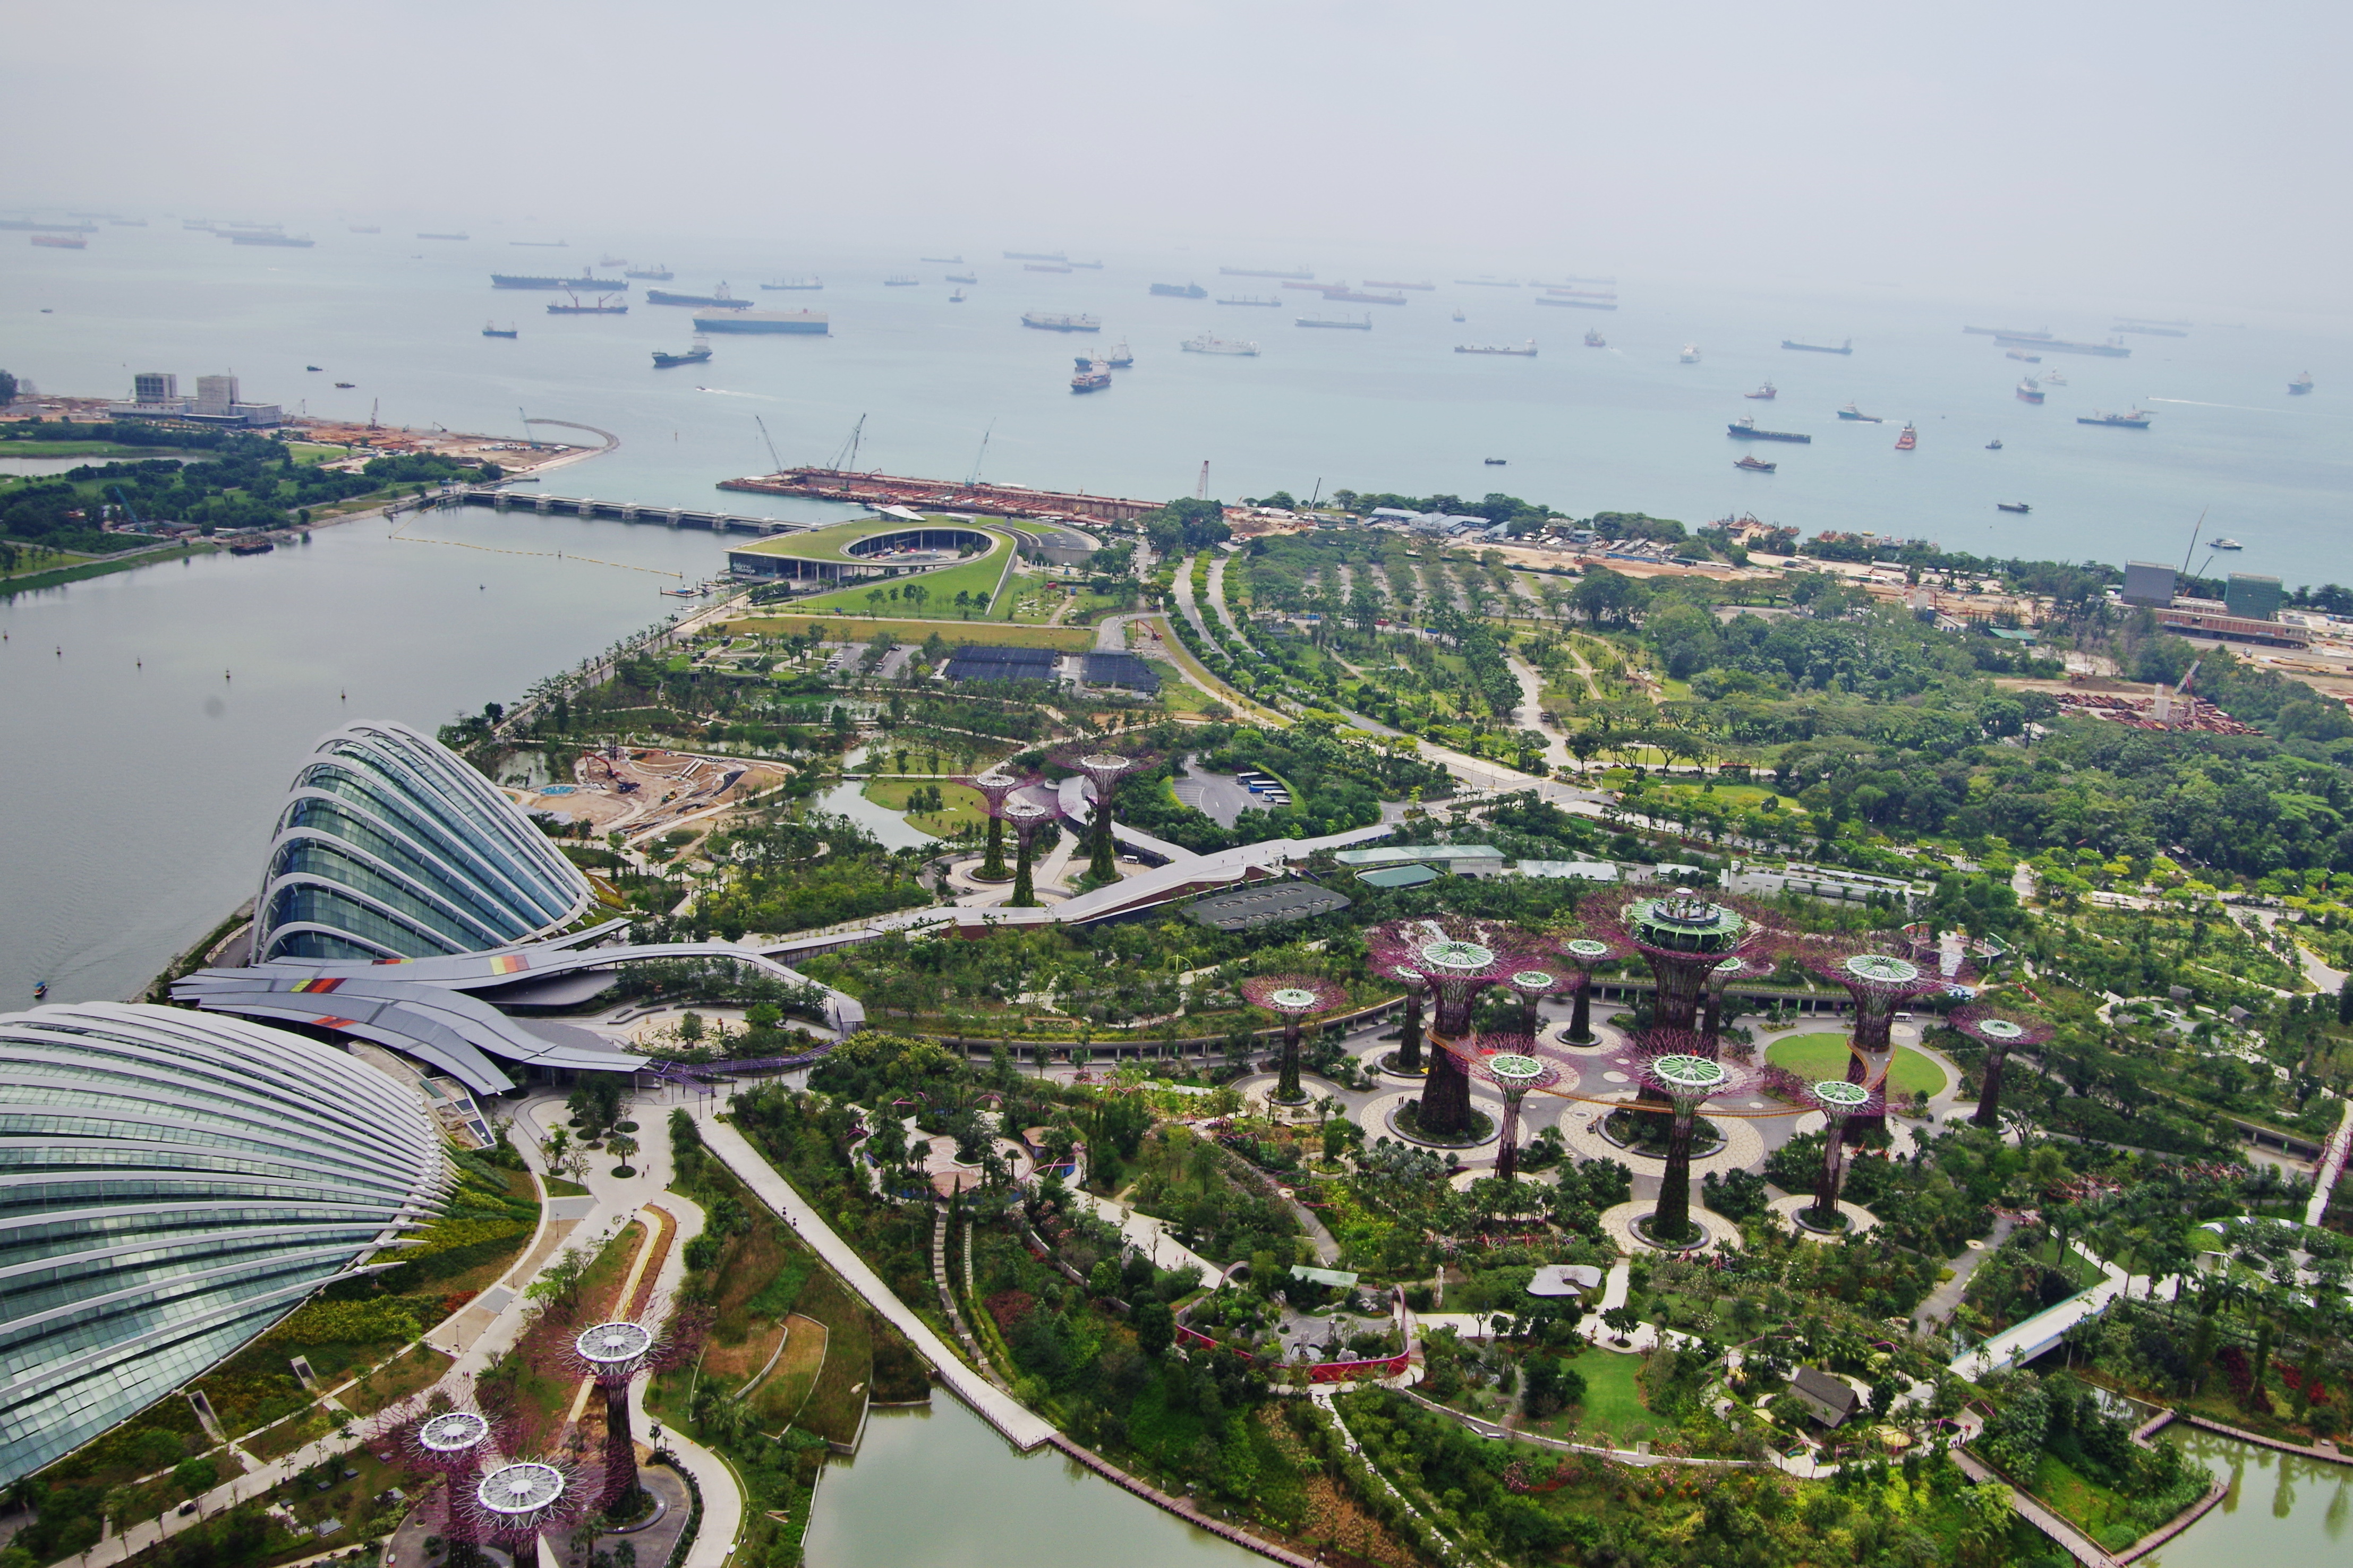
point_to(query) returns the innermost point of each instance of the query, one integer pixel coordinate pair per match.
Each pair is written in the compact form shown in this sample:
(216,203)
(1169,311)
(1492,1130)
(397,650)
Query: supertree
(1510,1063)
(1838,1100)
(1103,771)
(1879,981)
(514,1504)
(1460,959)
(1683,936)
(1754,964)
(1292,998)
(457,1444)
(995,789)
(1531,983)
(613,1354)
(1406,1058)
(2000,1031)
(1026,816)
(1672,1069)
(1587,953)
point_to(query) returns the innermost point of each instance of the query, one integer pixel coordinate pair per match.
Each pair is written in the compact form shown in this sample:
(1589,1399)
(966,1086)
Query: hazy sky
(2145,150)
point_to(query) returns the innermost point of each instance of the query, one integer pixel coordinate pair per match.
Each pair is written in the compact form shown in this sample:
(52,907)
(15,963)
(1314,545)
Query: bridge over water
(626,512)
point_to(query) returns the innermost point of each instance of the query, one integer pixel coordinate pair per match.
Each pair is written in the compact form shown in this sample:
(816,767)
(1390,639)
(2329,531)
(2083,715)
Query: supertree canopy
(515,1503)
(1586,952)
(1509,1062)
(1879,981)
(1103,771)
(1838,1102)
(1672,1068)
(1027,816)
(1535,980)
(613,1354)
(1460,959)
(1292,998)
(2001,1030)
(1683,935)
(995,788)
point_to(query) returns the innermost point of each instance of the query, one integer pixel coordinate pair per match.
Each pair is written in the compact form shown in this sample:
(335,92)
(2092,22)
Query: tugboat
(1093,375)
(2030,391)
(1767,392)
(695,356)
(1994,445)
(2300,385)
(1596,341)
(2017,506)
(2226,544)
(1909,439)
(489,330)
(956,298)
(1755,465)
(2137,420)
(1494,462)
(1121,357)
(1691,354)
(1852,412)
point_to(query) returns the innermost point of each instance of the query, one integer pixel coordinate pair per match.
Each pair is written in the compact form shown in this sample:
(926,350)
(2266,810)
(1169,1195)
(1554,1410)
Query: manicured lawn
(964,805)
(861,629)
(972,577)
(1815,1056)
(2093,1507)
(779,1398)
(1613,1399)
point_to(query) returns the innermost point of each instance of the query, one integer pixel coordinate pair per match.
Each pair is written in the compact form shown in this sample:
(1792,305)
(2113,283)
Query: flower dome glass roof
(173,1183)
(392,845)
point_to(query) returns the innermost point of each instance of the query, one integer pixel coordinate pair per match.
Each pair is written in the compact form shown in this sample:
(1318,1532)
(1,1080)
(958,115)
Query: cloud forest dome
(173,1183)
(391,846)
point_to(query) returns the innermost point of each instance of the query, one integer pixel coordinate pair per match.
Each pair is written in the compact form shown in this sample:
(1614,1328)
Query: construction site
(878,490)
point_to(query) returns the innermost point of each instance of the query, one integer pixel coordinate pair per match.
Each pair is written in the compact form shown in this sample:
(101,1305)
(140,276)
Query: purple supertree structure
(1027,816)
(1682,935)
(1510,1063)
(515,1503)
(1838,1102)
(1531,983)
(1754,964)
(2001,1030)
(1460,959)
(458,1445)
(1672,1069)
(614,1354)
(1586,952)
(1294,998)
(1879,981)
(995,789)
(1407,1057)
(1103,771)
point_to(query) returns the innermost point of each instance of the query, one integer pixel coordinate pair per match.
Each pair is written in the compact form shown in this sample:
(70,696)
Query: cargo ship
(263,237)
(659,272)
(2030,391)
(605,306)
(2052,345)
(2300,385)
(1755,465)
(1045,266)
(750,320)
(2137,420)
(1248,299)
(1527,351)
(1575,293)
(1206,343)
(1845,348)
(61,241)
(2002,333)
(612,261)
(1852,412)
(695,356)
(1262,272)
(522,281)
(1092,375)
(1489,282)
(1341,321)
(1908,439)
(1765,394)
(1090,265)
(963,277)
(1048,321)
(1746,430)
(25,223)
(2023,355)
(1358,297)
(444,236)
(719,300)
(1596,341)
(1425,288)
(900,281)
(1120,357)
(1035,256)
(366,228)
(810,283)
(1181,290)
(1575,304)
(2017,506)
(1307,283)
(2148,331)
(493,330)
(942,260)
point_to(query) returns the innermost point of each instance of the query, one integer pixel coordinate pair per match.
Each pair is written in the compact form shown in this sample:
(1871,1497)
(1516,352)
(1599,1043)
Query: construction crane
(372,407)
(771,440)
(976,456)
(1201,491)
(845,459)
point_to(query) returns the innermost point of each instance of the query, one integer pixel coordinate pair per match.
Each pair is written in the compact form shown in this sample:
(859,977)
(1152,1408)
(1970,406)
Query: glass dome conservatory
(173,1183)
(391,846)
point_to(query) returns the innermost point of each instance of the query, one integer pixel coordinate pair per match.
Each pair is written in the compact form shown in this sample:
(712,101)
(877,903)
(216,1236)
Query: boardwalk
(1018,1425)
(2066,1536)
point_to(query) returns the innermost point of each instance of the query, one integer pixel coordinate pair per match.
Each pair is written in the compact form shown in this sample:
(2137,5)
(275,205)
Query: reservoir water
(2280,1509)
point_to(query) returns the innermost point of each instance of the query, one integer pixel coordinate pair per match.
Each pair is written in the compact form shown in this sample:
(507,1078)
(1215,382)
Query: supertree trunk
(621,1483)
(1409,1057)
(1989,1111)
(1670,1221)
(1507,1155)
(1286,1087)
(1580,1021)
(1025,894)
(1102,861)
(1675,1004)
(992,863)
(1445,1096)
(1824,1213)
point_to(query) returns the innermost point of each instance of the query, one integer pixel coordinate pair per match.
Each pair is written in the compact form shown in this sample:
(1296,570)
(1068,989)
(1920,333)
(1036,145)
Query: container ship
(1358,297)
(1206,343)
(2300,385)
(2052,345)
(1424,288)
(2137,420)
(1340,322)
(2030,391)
(721,301)
(1845,348)
(521,280)
(1262,272)
(1092,375)
(1048,321)
(900,281)
(659,272)
(1575,304)
(1248,299)
(802,283)
(61,241)
(1746,430)
(695,356)
(1181,290)
(606,305)
(1527,351)
(750,320)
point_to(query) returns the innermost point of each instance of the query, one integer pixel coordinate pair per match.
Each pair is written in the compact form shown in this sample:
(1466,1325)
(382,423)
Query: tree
(7,389)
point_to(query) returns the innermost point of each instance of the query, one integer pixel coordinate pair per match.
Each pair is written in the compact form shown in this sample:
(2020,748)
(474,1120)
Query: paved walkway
(1149,1236)
(2067,1537)
(1941,1302)
(1022,1427)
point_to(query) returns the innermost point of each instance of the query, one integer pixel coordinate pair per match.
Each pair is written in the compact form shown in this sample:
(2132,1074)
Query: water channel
(2281,1508)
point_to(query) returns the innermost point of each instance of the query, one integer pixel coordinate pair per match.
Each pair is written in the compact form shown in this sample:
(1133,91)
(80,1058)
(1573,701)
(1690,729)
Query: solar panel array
(1121,669)
(1002,664)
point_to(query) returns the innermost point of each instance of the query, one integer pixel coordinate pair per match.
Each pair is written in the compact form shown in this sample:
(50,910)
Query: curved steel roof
(392,845)
(173,1183)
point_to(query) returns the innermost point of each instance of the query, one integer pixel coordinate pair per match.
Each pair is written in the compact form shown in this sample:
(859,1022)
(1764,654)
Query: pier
(627,511)
(875,490)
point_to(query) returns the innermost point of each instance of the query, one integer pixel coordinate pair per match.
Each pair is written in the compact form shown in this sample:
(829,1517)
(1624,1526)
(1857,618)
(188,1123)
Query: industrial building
(155,395)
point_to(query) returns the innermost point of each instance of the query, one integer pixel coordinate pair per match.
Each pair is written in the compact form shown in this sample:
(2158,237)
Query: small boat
(1092,375)
(1460,316)
(956,298)
(1494,462)
(1852,412)
(2053,378)
(694,355)
(492,330)
(2028,358)
(315,367)
(963,277)
(2300,385)
(1691,354)
(1909,439)
(2030,391)
(1596,341)
(1768,393)
(2226,544)
(40,990)
(347,386)
(2016,506)
(1120,357)
(1755,465)
(1994,445)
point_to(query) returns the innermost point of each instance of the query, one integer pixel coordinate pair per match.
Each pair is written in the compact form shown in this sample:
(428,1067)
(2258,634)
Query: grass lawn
(861,629)
(779,1399)
(96,449)
(417,1368)
(972,577)
(1613,1400)
(1813,1056)
(837,1398)
(964,805)
(2089,1505)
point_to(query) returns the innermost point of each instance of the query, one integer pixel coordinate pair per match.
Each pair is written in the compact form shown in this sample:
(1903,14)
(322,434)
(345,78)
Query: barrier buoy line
(401,534)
